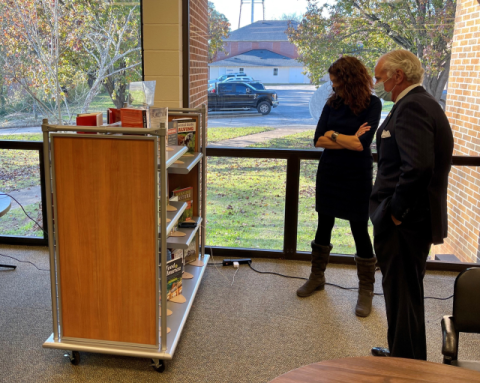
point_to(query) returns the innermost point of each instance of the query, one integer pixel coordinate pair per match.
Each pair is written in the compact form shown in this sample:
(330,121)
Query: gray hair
(407,62)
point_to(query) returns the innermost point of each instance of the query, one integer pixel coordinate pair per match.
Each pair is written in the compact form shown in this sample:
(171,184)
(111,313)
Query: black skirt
(344,184)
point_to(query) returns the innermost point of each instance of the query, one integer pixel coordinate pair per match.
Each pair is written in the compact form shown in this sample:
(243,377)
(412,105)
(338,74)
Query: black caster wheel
(158,365)
(74,358)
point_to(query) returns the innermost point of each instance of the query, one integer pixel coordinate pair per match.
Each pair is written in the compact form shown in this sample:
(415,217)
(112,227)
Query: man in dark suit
(408,205)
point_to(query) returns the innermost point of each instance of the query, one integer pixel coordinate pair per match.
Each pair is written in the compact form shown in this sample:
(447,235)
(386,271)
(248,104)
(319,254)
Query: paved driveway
(292,111)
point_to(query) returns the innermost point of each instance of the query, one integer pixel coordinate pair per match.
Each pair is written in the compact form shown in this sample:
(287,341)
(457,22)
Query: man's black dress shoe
(380,351)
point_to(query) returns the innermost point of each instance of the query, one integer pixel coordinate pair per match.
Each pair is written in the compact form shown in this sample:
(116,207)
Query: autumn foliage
(369,28)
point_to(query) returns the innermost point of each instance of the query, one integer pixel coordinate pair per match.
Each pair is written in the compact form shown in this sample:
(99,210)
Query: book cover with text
(174,277)
(187,129)
(185,195)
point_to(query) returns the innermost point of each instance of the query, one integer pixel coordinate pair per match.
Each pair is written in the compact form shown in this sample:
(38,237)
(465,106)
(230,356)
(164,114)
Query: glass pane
(81,66)
(246,202)
(309,37)
(20,176)
(342,238)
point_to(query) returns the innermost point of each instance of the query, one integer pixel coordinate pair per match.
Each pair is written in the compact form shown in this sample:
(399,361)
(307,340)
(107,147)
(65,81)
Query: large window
(57,59)
(60,60)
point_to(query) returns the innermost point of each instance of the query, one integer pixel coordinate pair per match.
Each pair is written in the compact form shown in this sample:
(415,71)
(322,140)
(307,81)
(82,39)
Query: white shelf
(180,311)
(184,242)
(189,163)
(174,216)
(174,155)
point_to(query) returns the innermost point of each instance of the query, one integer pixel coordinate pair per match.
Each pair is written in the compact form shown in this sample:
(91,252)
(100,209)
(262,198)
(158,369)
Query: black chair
(465,318)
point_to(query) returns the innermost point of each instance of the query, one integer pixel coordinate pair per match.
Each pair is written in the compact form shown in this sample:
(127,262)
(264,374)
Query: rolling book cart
(108,230)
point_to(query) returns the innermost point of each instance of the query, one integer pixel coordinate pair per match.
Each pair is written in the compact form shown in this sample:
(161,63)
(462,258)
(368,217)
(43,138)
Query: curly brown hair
(355,84)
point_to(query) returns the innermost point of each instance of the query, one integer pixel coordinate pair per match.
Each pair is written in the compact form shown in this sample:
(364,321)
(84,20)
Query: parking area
(292,111)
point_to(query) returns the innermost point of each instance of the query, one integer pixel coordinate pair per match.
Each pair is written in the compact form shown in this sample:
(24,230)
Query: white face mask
(381,92)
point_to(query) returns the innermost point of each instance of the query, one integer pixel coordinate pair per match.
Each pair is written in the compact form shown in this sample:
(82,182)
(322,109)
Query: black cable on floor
(18,260)
(332,284)
(210,264)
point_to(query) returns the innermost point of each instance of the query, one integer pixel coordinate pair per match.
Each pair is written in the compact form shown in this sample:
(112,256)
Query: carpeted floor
(251,331)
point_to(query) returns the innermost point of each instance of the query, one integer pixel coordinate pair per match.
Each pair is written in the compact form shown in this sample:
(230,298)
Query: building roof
(263,30)
(258,58)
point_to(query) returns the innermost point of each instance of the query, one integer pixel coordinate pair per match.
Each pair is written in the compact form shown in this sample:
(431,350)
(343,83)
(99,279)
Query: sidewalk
(26,196)
(241,142)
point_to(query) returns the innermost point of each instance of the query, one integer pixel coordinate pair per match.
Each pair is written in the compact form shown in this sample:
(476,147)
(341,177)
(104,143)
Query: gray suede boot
(366,280)
(316,281)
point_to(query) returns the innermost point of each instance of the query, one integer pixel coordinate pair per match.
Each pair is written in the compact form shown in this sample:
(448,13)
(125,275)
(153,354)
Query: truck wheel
(264,107)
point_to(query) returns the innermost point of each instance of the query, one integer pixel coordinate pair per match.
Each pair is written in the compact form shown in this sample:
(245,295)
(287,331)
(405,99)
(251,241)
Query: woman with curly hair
(345,172)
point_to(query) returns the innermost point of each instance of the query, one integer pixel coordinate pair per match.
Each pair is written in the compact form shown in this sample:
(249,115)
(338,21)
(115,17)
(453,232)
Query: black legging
(360,234)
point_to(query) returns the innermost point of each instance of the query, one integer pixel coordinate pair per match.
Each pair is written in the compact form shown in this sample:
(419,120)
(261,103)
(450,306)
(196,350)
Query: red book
(113,115)
(89,119)
(133,118)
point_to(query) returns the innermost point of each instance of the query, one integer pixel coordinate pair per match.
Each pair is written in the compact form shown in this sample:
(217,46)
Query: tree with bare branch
(113,43)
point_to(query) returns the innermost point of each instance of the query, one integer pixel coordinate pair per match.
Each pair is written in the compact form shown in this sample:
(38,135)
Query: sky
(273,10)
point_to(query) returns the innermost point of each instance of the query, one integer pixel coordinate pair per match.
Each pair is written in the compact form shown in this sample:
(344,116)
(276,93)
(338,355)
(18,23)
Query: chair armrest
(449,340)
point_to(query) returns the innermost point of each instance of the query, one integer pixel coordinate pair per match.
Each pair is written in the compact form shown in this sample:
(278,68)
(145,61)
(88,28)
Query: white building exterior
(262,65)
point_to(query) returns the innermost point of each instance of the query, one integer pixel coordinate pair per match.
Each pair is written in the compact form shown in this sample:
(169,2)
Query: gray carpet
(250,332)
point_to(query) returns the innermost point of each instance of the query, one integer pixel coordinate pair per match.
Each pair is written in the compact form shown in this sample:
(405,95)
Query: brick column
(463,111)
(198,52)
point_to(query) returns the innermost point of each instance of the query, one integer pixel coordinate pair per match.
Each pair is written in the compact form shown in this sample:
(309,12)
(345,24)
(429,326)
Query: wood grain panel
(378,370)
(106,236)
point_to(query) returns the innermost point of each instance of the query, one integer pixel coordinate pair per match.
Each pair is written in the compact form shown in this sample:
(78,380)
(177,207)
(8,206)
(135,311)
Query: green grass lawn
(246,202)
(101,103)
(15,222)
(246,197)
(220,134)
(22,137)
(19,169)
(257,221)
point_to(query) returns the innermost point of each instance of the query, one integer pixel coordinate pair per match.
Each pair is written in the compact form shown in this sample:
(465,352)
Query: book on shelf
(157,117)
(174,277)
(185,195)
(191,253)
(176,253)
(186,136)
(133,118)
(172,133)
(113,116)
(89,119)
(173,254)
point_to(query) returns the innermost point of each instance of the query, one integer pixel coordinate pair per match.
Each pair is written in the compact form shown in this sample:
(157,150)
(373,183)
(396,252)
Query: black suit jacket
(414,146)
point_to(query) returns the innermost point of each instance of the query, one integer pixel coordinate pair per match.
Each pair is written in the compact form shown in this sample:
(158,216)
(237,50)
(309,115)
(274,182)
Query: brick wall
(198,52)
(463,111)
